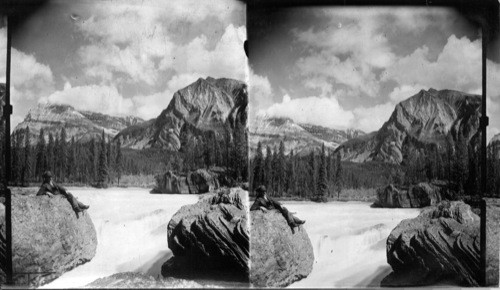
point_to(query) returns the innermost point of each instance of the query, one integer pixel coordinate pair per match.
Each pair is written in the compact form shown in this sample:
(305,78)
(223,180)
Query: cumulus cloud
(313,110)
(403,92)
(226,59)
(328,112)
(369,119)
(96,98)
(349,52)
(457,67)
(136,43)
(260,93)
(108,100)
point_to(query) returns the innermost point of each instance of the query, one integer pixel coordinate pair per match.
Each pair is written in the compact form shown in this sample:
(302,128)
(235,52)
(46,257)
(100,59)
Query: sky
(348,67)
(122,57)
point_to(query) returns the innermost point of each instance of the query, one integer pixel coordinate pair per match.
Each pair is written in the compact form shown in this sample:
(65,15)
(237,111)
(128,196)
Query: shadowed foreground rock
(440,245)
(139,280)
(48,237)
(416,196)
(210,237)
(278,257)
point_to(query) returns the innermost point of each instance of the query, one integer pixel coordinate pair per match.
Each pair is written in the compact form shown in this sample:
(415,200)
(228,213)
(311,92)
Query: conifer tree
(312,174)
(281,164)
(118,161)
(292,174)
(338,175)
(322,182)
(102,174)
(40,155)
(27,157)
(258,167)
(71,167)
(64,154)
(269,167)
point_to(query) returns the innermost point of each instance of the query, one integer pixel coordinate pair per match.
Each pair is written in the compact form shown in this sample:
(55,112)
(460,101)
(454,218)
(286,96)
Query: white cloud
(137,40)
(372,118)
(148,107)
(403,92)
(260,93)
(226,59)
(457,67)
(96,98)
(349,52)
(313,110)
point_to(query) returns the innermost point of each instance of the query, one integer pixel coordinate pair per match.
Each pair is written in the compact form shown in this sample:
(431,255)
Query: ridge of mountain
(207,105)
(299,137)
(82,125)
(425,119)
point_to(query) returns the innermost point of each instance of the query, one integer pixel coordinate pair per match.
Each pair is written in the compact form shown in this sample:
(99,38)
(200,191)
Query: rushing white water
(131,227)
(349,242)
(348,237)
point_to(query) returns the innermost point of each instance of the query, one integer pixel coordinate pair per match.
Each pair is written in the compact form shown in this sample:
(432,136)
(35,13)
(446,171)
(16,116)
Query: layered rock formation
(440,245)
(140,281)
(202,181)
(424,119)
(82,125)
(302,138)
(491,207)
(196,182)
(210,237)
(420,195)
(170,183)
(278,256)
(48,237)
(207,105)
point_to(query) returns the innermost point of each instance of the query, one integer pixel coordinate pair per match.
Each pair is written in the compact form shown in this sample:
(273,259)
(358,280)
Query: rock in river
(48,237)
(278,256)
(416,196)
(210,236)
(440,245)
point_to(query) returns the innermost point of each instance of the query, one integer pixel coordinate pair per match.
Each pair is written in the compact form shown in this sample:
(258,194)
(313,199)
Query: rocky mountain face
(427,118)
(302,138)
(83,125)
(207,105)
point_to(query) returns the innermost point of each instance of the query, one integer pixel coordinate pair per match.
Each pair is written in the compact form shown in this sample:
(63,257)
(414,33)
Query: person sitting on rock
(50,188)
(265,203)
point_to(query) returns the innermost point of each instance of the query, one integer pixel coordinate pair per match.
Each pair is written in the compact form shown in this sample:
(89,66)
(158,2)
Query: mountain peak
(426,118)
(204,105)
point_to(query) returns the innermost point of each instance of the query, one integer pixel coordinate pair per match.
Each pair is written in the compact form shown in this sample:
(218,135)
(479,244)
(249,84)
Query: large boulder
(491,208)
(442,244)
(416,196)
(135,280)
(210,236)
(278,256)
(202,181)
(170,183)
(48,236)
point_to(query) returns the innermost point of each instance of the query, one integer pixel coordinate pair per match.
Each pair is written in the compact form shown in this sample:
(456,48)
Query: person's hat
(47,174)
(261,189)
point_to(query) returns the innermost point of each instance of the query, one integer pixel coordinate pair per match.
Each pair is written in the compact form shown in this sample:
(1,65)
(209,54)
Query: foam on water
(348,239)
(131,226)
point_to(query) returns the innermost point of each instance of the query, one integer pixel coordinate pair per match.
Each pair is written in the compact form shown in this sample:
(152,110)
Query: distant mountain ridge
(428,117)
(207,105)
(82,125)
(302,138)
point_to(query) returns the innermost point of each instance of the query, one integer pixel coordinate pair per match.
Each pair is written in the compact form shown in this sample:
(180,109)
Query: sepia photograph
(128,144)
(365,140)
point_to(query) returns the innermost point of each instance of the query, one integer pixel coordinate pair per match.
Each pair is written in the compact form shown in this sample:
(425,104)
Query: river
(348,237)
